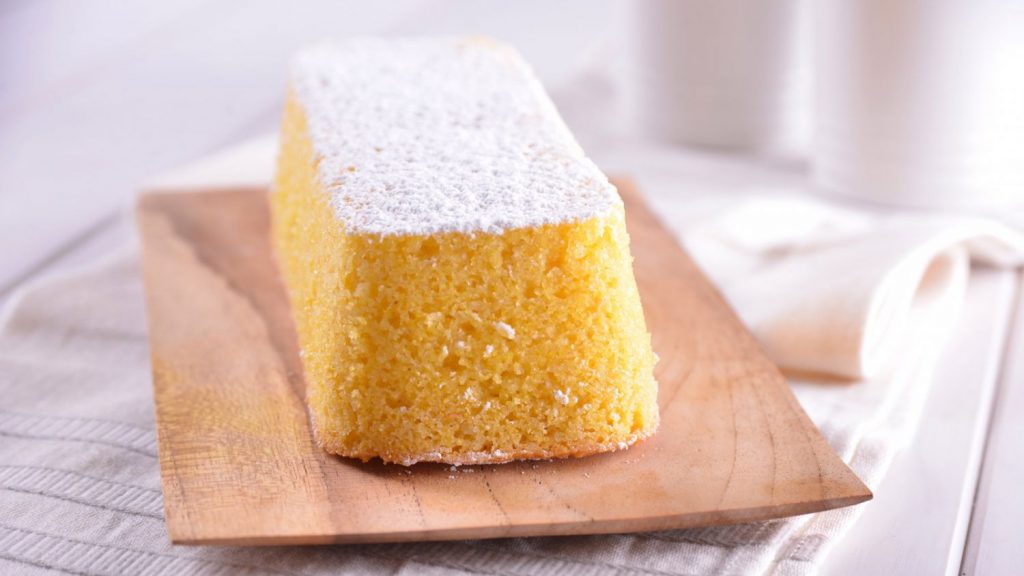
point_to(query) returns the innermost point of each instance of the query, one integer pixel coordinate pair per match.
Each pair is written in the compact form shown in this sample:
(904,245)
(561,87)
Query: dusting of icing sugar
(562,397)
(429,135)
(506,330)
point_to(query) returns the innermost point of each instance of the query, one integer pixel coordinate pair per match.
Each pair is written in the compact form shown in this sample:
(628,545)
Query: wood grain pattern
(239,466)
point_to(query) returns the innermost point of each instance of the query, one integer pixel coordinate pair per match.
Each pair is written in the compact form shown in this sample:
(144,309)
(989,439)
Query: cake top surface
(429,135)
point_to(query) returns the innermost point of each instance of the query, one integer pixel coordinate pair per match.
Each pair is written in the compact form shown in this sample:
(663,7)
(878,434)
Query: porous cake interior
(461,347)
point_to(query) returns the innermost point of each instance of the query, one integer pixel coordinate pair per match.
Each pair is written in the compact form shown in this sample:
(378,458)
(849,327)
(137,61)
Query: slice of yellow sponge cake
(459,271)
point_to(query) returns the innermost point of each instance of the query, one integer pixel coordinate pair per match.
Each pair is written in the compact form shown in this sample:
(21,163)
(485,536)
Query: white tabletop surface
(96,97)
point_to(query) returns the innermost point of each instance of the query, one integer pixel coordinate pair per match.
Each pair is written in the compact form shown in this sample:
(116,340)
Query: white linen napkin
(831,291)
(79,481)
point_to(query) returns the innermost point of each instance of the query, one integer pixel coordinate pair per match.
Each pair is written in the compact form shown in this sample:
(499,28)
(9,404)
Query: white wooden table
(95,97)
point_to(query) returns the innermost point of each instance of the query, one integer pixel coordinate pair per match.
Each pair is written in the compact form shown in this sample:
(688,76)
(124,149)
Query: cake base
(495,457)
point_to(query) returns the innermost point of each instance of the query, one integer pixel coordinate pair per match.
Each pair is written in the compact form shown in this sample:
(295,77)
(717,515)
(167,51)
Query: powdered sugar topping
(506,330)
(429,135)
(562,397)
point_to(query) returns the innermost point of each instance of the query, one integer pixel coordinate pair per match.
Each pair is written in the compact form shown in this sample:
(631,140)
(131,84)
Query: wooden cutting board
(239,466)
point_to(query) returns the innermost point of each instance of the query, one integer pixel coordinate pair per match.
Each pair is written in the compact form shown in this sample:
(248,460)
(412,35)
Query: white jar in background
(718,73)
(920,102)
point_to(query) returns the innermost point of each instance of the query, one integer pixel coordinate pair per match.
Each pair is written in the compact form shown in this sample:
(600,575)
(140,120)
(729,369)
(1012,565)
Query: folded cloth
(79,480)
(831,291)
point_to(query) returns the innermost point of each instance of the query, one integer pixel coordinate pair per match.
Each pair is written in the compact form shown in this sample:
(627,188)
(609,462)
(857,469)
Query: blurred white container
(718,73)
(920,102)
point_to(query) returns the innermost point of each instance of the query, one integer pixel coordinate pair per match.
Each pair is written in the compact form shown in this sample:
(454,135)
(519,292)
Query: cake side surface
(472,345)
(428,135)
